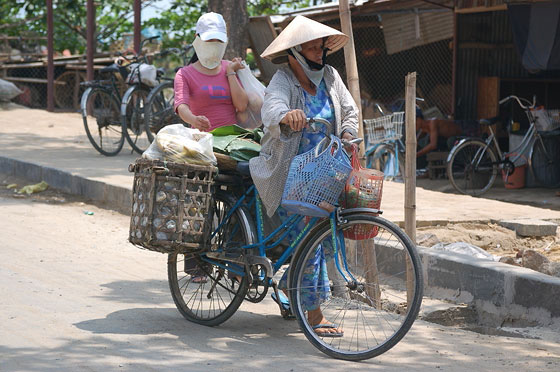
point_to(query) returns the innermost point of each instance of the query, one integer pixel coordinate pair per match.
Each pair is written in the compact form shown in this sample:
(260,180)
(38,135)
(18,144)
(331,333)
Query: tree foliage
(176,19)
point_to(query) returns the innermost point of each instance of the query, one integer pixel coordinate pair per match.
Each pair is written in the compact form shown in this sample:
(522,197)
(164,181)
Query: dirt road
(75,296)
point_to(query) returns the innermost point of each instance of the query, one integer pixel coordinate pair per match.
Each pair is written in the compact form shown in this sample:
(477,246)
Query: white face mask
(209,53)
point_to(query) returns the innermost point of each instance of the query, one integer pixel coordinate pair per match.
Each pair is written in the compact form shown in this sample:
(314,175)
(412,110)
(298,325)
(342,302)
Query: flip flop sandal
(327,326)
(284,303)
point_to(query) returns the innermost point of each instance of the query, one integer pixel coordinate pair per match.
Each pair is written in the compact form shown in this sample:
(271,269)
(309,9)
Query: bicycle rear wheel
(160,110)
(378,300)
(472,167)
(545,161)
(101,116)
(132,117)
(207,291)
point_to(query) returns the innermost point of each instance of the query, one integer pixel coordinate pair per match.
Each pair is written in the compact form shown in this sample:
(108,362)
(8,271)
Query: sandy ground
(495,239)
(75,296)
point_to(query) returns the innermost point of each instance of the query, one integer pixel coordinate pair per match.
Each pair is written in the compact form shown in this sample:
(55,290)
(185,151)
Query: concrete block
(530,227)
(6,166)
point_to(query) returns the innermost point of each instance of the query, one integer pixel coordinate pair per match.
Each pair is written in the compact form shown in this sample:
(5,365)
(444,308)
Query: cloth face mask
(209,53)
(314,75)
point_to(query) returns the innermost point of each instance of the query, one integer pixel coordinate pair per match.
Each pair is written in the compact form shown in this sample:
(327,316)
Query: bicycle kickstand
(285,309)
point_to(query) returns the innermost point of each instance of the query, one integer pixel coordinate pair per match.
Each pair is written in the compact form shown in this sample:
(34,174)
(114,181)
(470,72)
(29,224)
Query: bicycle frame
(251,199)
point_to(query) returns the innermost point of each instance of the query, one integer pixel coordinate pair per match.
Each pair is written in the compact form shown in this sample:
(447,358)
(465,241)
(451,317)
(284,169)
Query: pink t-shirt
(207,95)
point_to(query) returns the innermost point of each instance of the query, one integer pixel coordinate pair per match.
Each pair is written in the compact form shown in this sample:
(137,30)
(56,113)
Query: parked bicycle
(100,107)
(375,283)
(142,78)
(384,147)
(473,163)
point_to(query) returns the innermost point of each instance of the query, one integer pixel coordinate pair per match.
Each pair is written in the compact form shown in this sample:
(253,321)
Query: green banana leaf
(228,130)
(239,143)
(221,143)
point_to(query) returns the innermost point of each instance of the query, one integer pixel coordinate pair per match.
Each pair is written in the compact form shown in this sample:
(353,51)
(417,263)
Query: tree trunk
(235,15)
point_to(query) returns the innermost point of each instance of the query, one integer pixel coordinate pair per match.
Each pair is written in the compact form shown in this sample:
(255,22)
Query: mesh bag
(363,190)
(316,176)
(171,205)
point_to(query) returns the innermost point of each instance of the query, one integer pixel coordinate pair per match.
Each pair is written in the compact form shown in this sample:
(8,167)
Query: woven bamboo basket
(225,162)
(171,206)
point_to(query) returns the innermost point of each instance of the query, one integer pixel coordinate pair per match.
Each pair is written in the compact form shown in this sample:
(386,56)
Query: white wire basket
(546,120)
(385,128)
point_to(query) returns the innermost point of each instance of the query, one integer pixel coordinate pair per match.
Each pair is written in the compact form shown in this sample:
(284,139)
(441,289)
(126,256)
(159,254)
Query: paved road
(75,296)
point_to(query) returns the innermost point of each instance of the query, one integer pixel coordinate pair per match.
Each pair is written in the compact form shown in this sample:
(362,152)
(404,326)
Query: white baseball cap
(212,26)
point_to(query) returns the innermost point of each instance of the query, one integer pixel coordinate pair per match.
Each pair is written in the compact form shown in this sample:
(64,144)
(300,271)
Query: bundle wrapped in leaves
(238,143)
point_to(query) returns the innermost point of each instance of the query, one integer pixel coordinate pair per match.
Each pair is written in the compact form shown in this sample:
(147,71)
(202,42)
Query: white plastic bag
(251,118)
(8,90)
(180,144)
(148,74)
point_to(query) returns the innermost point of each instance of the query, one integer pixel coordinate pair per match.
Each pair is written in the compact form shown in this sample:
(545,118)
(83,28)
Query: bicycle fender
(461,141)
(83,101)
(126,99)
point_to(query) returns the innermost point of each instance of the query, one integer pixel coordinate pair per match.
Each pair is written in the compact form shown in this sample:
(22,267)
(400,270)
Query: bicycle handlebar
(529,105)
(312,121)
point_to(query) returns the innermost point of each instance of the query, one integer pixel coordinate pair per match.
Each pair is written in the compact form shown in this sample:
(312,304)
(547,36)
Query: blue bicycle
(375,284)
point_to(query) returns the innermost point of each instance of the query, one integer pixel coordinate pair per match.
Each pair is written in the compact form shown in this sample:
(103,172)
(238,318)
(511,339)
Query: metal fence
(384,59)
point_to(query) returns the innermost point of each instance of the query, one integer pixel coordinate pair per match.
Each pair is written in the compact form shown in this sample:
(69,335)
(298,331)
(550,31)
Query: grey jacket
(280,144)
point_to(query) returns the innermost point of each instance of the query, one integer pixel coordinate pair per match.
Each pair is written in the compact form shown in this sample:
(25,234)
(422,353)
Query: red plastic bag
(363,190)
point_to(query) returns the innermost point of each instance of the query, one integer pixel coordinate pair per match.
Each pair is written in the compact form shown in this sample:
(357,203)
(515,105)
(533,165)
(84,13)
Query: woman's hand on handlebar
(296,119)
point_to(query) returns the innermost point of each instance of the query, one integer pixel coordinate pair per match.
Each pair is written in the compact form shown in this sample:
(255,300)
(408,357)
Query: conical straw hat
(299,31)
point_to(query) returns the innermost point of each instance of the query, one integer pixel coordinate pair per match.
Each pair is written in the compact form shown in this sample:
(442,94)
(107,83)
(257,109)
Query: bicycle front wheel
(101,116)
(160,110)
(207,291)
(472,167)
(132,117)
(372,293)
(545,161)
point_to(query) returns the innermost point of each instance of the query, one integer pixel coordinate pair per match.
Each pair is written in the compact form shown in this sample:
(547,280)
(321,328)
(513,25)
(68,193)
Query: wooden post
(454,64)
(351,65)
(90,49)
(50,57)
(410,175)
(137,25)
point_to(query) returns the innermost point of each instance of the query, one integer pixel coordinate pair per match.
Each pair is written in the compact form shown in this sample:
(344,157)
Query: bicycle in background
(142,78)
(100,108)
(384,147)
(473,163)
(159,110)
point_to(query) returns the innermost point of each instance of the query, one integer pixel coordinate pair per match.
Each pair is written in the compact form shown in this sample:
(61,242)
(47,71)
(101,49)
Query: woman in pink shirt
(207,92)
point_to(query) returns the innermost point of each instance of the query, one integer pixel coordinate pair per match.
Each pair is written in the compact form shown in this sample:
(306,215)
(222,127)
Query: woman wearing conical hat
(306,87)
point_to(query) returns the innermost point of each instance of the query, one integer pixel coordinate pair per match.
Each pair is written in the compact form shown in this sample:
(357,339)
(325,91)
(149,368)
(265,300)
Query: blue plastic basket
(315,176)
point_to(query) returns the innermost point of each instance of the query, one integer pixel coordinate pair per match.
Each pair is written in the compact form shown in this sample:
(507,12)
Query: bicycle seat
(160,72)
(112,68)
(243,168)
(489,121)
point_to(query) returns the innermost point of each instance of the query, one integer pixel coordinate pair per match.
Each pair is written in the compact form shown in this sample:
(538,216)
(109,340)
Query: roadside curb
(504,293)
(119,197)
(501,293)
